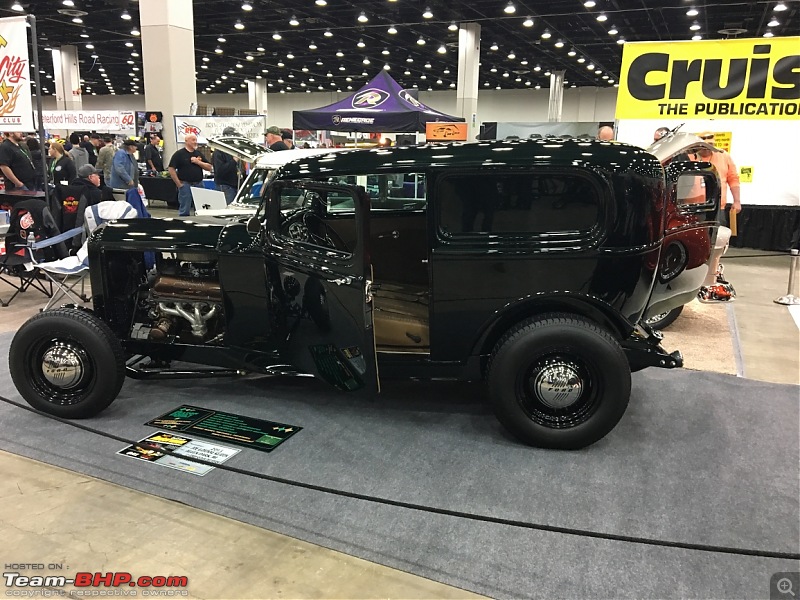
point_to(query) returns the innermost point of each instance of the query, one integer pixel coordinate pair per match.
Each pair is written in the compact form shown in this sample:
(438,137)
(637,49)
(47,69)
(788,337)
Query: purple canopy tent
(380,106)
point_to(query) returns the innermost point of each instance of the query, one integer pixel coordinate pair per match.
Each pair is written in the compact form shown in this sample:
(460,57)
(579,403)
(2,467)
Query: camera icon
(784,585)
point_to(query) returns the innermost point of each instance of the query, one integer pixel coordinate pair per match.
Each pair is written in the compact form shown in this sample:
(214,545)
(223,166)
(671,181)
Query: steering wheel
(307,226)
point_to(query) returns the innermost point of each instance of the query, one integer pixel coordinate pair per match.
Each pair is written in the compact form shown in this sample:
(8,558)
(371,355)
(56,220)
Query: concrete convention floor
(51,515)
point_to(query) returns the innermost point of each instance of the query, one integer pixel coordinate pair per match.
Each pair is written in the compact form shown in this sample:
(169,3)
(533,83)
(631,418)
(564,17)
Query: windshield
(251,191)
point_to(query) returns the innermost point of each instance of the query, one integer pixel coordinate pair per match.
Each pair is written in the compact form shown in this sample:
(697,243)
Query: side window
(252,187)
(516,203)
(388,191)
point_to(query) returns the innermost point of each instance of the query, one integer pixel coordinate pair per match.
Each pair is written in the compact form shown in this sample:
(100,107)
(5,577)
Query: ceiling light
(360,43)
(590,67)
(780,6)
(385,52)
(511,56)
(589,4)
(510,9)
(493,47)
(362,18)
(125,15)
(546,35)
(293,21)
(205,59)
(613,31)
(768,34)
(328,33)
(281,64)
(409,60)
(321,2)
(493,70)
(695,26)
(135,54)
(773,22)
(537,68)
(527,22)
(247,6)
(392,30)
(505,74)
(602,17)
(697,37)
(428,65)
(129,44)
(572,52)
(135,31)
(221,39)
(312,46)
(79,20)
(427,14)
(386,67)
(524,63)
(218,50)
(89,46)
(276,36)
(692,12)
(68,3)
(339,53)
(238,25)
(559,44)
(621,40)
(452,27)
(365,61)
(581,60)
(17,7)
(421,41)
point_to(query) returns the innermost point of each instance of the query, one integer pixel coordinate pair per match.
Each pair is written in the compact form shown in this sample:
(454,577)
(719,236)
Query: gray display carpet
(698,459)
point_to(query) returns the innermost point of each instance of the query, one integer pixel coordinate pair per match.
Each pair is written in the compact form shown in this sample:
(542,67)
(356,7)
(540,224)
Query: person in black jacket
(89,180)
(226,170)
(62,167)
(35,150)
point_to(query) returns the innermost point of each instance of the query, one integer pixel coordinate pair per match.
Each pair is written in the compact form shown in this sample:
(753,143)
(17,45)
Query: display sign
(746,174)
(204,127)
(711,79)
(89,120)
(151,449)
(16,113)
(445,132)
(722,139)
(236,429)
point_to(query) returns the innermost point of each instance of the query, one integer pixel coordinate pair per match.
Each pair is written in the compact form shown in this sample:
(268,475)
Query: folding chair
(28,216)
(66,273)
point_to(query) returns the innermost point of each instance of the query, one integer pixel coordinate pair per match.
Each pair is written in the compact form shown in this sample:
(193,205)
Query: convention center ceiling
(338,45)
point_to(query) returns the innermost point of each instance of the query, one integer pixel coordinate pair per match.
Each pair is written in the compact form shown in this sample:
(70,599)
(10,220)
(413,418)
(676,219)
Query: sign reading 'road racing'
(729,79)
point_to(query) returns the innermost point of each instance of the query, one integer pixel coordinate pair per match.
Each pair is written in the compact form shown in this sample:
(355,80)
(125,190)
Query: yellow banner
(715,79)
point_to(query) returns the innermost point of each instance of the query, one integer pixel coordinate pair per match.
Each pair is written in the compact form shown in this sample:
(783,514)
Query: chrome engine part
(181,294)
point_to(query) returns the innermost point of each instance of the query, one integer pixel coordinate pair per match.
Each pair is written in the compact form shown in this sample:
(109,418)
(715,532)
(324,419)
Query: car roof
(273,160)
(611,156)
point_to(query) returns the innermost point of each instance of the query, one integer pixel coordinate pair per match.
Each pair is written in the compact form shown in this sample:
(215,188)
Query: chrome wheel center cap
(62,366)
(558,385)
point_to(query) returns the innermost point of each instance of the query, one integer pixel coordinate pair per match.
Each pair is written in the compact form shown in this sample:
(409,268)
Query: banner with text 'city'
(15,84)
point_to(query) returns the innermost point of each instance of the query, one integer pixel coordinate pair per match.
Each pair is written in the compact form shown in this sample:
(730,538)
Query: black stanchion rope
(432,509)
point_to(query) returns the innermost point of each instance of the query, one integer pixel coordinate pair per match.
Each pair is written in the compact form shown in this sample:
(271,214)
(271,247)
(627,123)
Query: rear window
(516,203)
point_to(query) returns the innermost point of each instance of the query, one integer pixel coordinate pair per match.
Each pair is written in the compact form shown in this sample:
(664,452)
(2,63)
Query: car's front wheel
(559,381)
(67,362)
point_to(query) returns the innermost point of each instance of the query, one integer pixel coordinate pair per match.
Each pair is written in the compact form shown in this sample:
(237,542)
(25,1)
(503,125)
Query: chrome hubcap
(557,384)
(63,366)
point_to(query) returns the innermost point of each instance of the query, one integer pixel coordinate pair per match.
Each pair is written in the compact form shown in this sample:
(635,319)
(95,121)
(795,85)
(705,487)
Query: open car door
(321,277)
(241,147)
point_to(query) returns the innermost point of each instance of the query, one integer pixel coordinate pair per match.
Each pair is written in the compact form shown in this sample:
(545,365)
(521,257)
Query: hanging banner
(204,127)
(715,79)
(89,120)
(16,113)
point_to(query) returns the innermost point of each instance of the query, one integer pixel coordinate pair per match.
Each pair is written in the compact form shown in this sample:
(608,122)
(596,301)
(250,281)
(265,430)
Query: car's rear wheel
(665,319)
(559,381)
(67,362)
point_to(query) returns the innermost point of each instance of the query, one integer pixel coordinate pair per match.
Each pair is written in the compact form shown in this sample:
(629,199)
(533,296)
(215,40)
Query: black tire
(90,357)
(584,358)
(664,320)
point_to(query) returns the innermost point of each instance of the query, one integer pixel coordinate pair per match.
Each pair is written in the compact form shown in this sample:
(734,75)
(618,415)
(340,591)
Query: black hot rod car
(527,264)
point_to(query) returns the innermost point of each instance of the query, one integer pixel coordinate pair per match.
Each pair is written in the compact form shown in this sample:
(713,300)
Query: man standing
(123,167)
(16,164)
(91,146)
(104,159)
(605,134)
(186,169)
(152,154)
(78,153)
(275,139)
(226,170)
(715,288)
